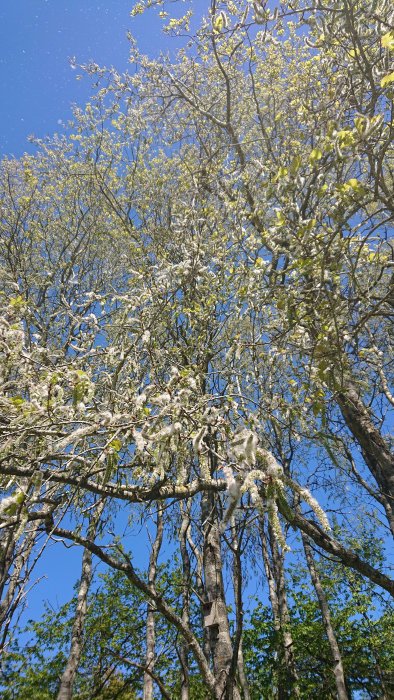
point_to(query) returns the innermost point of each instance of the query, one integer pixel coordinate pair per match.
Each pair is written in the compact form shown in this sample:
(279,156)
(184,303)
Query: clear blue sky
(37,39)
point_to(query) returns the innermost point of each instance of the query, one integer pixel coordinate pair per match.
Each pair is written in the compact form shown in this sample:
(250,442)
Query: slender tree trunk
(183,649)
(7,549)
(77,635)
(273,600)
(12,582)
(150,617)
(8,555)
(325,611)
(199,568)
(274,569)
(16,543)
(243,679)
(216,618)
(69,673)
(376,452)
(237,582)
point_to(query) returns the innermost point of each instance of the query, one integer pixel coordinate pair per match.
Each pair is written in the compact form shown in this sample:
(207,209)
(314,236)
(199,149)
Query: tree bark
(237,582)
(186,570)
(12,582)
(77,635)
(16,544)
(338,670)
(376,452)
(218,633)
(150,617)
(287,681)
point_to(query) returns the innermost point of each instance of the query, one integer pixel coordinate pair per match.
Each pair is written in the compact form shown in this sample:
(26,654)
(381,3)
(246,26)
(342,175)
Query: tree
(198,294)
(115,641)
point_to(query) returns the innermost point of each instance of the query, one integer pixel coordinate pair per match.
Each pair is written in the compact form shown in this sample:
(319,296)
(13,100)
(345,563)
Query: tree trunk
(183,649)
(377,455)
(200,588)
(150,617)
(12,583)
(77,636)
(16,544)
(287,680)
(325,611)
(237,582)
(216,617)
(68,677)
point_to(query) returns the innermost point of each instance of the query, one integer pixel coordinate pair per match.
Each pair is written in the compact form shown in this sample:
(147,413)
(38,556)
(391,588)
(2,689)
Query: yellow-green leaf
(17,302)
(282,172)
(116,444)
(387,80)
(322,190)
(295,165)
(17,401)
(281,220)
(388,41)
(315,155)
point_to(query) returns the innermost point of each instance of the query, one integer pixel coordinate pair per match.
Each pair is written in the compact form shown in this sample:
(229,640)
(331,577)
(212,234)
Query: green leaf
(280,218)
(282,172)
(387,80)
(315,155)
(387,41)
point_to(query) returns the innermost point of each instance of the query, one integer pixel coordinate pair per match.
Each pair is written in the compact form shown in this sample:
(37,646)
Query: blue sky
(37,39)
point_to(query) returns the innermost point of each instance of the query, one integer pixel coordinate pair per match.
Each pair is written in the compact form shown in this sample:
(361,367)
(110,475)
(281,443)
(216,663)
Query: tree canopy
(196,285)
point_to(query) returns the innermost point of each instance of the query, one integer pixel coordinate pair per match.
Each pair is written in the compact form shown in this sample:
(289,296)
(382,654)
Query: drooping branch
(161,604)
(346,556)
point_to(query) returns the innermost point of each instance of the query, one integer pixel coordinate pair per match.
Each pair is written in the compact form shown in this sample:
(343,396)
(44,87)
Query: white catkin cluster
(244,447)
(273,517)
(316,507)
(198,440)
(233,487)
(140,442)
(234,492)
(272,468)
(244,450)
(9,505)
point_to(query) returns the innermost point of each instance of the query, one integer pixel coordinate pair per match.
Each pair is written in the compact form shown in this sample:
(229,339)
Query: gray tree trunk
(339,674)
(12,584)
(68,677)
(274,570)
(183,650)
(219,631)
(16,544)
(150,617)
(237,582)
(77,635)
(376,452)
